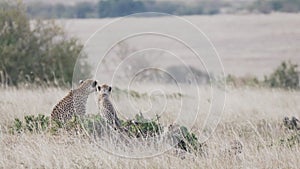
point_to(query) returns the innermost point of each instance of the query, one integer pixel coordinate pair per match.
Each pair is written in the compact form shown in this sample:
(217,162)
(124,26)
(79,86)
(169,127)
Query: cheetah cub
(105,106)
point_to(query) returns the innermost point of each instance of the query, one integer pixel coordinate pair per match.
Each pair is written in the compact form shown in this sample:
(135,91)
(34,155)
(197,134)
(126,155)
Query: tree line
(117,8)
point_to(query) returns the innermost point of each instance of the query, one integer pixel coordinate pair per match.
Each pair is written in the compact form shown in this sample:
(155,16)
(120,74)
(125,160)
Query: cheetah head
(88,85)
(104,90)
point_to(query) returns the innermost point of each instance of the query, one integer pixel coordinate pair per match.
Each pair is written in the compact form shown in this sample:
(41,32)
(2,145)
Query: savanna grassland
(252,116)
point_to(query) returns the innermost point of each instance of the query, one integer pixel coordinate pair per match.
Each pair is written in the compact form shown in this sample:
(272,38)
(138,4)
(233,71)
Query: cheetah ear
(80,81)
(99,88)
(109,89)
(94,84)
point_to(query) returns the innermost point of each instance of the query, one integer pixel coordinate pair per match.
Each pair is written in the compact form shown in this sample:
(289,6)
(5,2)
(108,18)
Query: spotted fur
(74,102)
(105,106)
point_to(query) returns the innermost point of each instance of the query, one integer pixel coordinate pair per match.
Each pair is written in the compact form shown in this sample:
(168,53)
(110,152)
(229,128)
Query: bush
(94,125)
(141,127)
(36,51)
(39,123)
(285,76)
(189,142)
(267,6)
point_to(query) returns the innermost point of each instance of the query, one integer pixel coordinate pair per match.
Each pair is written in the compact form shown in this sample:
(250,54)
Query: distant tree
(267,6)
(37,52)
(83,9)
(285,76)
(44,10)
(40,10)
(60,11)
(115,8)
(163,6)
(289,5)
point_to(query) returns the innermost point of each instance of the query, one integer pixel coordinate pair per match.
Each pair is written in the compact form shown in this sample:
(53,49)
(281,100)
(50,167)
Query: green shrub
(141,127)
(17,126)
(94,125)
(285,76)
(185,140)
(31,123)
(37,51)
(41,123)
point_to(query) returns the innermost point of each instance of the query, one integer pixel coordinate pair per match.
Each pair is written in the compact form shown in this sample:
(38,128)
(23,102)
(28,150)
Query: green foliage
(46,10)
(267,6)
(141,127)
(36,51)
(17,125)
(31,123)
(43,10)
(190,141)
(285,76)
(84,10)
(186,140)
(94,125)
(115,8)
(41,123)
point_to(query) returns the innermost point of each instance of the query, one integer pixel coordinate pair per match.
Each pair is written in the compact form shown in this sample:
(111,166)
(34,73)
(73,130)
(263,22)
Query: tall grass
(252,116)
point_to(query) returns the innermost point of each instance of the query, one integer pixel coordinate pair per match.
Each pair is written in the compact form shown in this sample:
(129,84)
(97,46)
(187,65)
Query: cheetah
(74,102)
(106,108)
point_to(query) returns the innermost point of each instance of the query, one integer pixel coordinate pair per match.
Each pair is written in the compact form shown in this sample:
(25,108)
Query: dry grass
(252,116)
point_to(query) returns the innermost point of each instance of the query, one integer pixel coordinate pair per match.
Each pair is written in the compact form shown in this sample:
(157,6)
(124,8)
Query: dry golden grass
(252,116)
